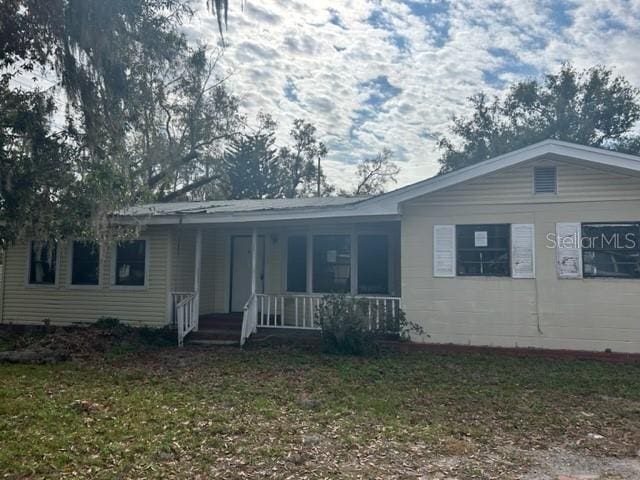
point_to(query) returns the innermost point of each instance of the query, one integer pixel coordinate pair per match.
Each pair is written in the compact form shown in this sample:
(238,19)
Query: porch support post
(254,259)
(196,277)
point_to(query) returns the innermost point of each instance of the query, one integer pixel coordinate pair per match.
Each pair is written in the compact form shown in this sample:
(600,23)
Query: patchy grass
(278,413)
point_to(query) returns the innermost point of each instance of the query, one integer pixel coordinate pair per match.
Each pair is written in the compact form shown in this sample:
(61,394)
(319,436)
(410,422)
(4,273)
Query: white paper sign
(444,251)
(522,250)
(481,239)
(568,251)
(332,256)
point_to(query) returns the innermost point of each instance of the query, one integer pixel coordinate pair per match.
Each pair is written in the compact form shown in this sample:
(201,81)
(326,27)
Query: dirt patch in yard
(46,344)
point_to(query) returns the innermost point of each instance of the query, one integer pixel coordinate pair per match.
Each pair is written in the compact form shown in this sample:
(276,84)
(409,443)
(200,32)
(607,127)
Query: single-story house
(536,248)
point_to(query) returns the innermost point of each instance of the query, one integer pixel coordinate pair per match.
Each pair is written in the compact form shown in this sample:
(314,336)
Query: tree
(257,168)
(252,164)
(135,113)
(64,168)
(187,118)
(221,10)
(593,107)
(375,173)
(302,161)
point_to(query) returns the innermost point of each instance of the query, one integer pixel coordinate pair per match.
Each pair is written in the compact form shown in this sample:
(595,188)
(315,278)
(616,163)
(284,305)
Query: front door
(241,270)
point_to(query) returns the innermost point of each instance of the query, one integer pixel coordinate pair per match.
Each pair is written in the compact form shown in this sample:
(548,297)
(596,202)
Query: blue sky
(392,73)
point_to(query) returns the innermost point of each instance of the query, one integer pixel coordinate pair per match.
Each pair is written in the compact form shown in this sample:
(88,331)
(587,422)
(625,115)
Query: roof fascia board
(253,218)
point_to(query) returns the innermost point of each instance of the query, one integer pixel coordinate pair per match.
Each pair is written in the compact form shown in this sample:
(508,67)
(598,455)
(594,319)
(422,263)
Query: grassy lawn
(283,413)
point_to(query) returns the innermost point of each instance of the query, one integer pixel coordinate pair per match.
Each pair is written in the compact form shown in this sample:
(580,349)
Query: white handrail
(249,319)
(186,314)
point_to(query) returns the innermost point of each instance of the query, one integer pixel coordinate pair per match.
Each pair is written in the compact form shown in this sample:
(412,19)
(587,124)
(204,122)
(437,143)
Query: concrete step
(217,334)
(214,342)
(213,323)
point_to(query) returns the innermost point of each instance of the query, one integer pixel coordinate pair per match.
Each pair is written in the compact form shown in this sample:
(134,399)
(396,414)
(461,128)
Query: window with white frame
(85,263)
(130,263)
(483,250)
(373,264)
(611,250)
(42,262)
(331,263)
(297,264)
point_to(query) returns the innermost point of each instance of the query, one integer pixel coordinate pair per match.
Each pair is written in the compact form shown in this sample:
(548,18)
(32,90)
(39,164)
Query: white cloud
(272,44)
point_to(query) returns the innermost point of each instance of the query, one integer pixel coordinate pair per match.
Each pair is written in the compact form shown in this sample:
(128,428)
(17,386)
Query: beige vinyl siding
(515,185)
(589,314)
(64,304)
(215,272)
(183,244)
(214,266)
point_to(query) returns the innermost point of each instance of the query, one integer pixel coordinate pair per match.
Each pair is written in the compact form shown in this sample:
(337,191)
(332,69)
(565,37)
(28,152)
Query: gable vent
(545,180)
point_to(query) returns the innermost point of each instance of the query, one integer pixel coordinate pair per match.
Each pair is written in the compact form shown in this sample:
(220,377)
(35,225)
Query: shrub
(349,325)
(158,337)
(107,323)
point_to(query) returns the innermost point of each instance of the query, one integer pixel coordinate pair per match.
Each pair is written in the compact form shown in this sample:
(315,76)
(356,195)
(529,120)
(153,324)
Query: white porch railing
(300,311)
(249,319)
(178,297)
(186,314)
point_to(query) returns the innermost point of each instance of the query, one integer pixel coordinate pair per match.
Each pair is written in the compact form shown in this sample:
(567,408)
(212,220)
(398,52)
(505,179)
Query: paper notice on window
(568,251)
(444,250)
(522,250)
(481,239)
(332,256)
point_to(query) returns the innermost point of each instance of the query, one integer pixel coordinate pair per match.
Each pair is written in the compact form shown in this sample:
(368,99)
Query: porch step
(214,332)
(215,335)
(215,342)
(225,321)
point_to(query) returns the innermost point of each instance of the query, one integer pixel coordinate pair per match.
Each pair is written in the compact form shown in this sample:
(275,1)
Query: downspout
(535,281)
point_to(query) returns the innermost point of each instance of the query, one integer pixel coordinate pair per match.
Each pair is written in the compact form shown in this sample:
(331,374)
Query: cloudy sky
(378,73)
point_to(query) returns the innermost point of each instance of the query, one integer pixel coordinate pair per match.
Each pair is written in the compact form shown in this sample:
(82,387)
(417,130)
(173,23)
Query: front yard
(285,413)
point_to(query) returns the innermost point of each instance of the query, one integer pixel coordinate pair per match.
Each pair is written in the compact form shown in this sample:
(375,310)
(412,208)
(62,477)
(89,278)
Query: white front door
(241,271)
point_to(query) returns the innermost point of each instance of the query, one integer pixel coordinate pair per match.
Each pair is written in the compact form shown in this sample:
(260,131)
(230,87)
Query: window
(297,264)
(85,263)
(332,263)
(545,180)
(373,264)
(42,262)
(483,250)
(130,263)
(611,250)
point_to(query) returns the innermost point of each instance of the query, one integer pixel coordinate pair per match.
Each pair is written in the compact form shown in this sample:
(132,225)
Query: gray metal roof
(238,206)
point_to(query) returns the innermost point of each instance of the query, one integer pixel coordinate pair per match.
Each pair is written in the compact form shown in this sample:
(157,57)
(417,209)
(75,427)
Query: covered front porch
(229,281)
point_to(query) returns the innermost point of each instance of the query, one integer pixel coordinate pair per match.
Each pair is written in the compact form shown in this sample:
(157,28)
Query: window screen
(332,263)
(297,264)
(42,262)
(545,180)
(373,264)
(611,250)
(130,263)
(85,263)
(483,250)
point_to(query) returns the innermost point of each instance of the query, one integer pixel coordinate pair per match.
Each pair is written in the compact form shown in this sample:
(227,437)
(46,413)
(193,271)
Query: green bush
(158,337)
(353,326)
(107,323)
